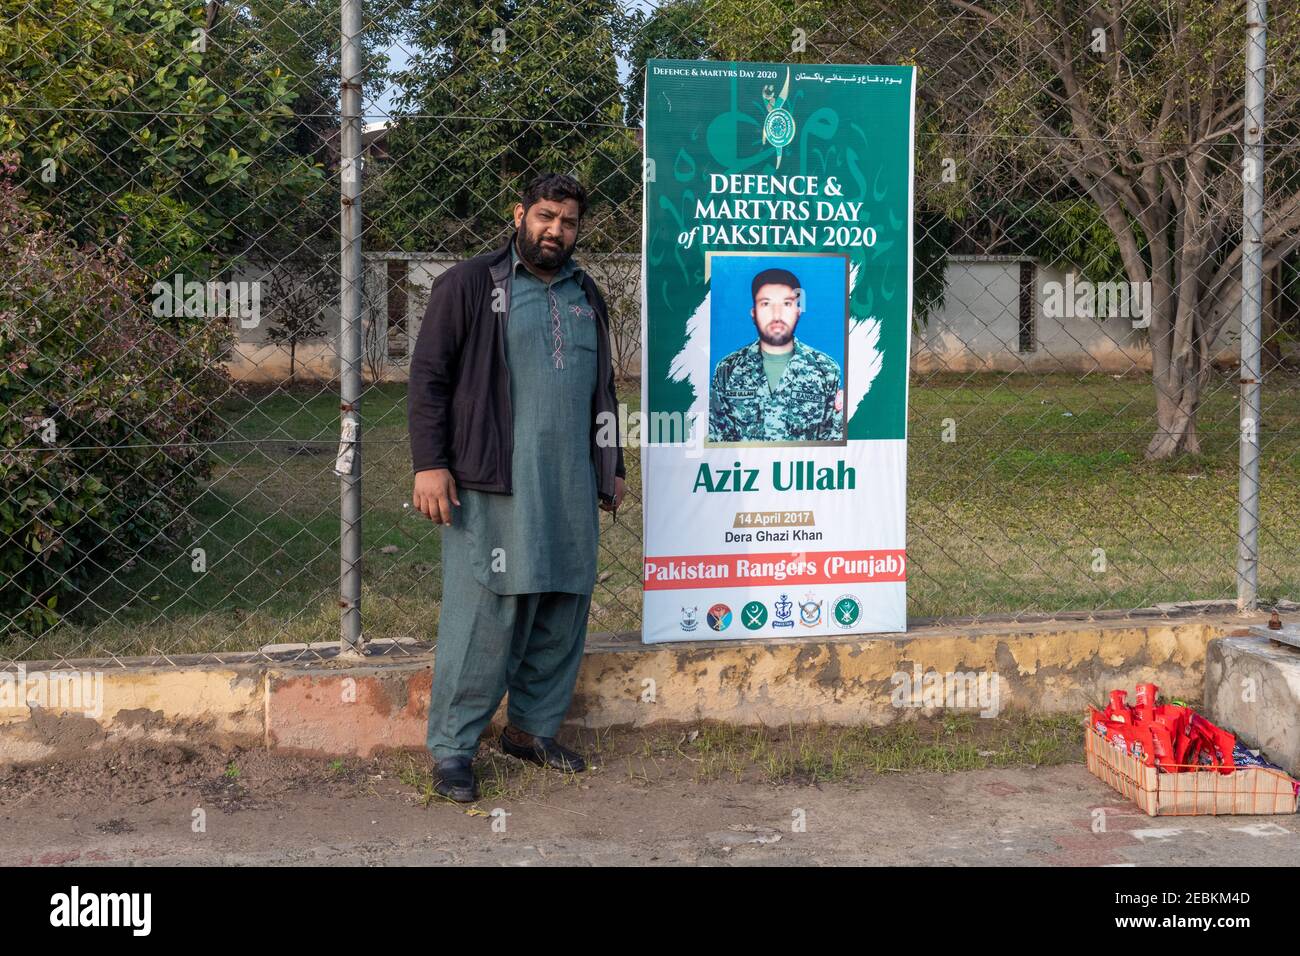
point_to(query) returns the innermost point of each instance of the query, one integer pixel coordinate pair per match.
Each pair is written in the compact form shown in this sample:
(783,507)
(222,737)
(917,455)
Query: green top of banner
(805,169)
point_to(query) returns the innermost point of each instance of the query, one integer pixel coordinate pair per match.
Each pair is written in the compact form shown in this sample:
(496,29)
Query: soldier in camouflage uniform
(776,388)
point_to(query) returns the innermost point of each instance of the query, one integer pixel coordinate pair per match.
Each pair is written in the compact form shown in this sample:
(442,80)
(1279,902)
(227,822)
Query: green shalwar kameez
(518,570)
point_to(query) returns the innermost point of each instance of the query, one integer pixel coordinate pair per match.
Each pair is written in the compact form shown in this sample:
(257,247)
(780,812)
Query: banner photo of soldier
(776,335)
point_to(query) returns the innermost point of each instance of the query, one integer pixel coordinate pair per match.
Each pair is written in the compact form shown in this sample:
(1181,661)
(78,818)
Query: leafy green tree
(104,411)
(132,122)
(493,94)
(679,30)
(300,39)
(194,131)
(1134,109)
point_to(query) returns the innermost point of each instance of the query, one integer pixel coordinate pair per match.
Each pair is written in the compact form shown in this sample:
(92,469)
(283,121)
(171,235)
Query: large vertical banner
(777,284)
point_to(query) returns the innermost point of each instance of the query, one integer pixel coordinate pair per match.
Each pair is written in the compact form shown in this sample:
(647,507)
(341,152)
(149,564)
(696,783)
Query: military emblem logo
(810,612)
(778,127)
(690,618)
(846,611)
(753,615)
(783,608)
(719,617)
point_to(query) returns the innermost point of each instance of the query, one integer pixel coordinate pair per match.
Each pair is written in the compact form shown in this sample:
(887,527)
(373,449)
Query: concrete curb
(358,707)
(1253,687)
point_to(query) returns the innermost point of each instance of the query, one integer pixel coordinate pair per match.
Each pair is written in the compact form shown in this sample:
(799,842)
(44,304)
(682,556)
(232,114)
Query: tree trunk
(1176,418)
(1180,370)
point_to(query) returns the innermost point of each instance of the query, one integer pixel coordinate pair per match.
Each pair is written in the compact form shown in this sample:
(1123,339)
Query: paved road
(140,813)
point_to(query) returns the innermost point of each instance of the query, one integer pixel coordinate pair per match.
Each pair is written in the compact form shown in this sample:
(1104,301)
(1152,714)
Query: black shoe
(545,752)
(456,779)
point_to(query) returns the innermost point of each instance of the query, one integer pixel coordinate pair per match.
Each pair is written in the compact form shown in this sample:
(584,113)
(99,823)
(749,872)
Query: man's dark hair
(557,188)
(773,277)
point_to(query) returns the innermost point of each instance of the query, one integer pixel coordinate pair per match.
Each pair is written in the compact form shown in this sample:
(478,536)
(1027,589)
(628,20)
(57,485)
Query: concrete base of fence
(1252,687)
(358,707)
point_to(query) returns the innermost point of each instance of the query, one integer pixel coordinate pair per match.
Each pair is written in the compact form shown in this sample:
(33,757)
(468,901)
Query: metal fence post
(350,328)
(1252,299)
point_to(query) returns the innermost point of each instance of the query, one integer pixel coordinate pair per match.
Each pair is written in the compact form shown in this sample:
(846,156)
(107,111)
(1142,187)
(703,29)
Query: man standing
(776,388)
(510,372)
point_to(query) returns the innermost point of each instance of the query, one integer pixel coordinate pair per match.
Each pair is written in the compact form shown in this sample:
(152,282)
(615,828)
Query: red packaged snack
(1118,711)
(1131,739)
(1175,720)
(1216,743)
(1141,744)
(1100,725)
(1171,737)
(1165,749)
(1145,703)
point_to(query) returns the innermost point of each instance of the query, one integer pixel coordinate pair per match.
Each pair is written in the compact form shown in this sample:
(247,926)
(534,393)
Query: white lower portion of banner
(774,542)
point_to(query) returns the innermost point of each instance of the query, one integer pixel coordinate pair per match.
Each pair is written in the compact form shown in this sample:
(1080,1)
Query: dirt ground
(679,796)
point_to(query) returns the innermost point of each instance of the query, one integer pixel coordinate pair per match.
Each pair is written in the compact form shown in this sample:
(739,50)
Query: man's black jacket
(458,396)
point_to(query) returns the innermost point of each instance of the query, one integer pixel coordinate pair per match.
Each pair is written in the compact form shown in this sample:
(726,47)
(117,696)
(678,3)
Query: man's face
(776,313)
(547,232)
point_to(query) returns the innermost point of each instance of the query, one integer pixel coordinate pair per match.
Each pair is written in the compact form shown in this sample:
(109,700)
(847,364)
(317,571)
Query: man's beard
(542,256)
(778,340)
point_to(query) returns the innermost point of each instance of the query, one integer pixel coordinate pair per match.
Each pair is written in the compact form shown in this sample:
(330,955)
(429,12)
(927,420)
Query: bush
(103,412)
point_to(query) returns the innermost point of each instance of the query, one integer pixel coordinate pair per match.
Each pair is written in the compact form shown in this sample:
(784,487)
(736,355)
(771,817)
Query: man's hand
(435,493)
(618,497)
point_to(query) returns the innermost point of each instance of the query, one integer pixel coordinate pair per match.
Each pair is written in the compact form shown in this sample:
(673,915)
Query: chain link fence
(174,309)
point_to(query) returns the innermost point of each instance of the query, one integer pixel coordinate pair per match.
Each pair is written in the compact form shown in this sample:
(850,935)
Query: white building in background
(394,298)
(1013,314)
(1000,314)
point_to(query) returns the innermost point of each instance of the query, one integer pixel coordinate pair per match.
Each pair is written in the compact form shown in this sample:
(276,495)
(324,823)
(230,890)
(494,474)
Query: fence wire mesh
(171,280)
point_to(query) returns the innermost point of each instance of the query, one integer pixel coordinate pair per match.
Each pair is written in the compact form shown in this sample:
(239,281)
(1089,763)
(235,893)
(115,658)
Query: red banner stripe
(782,569)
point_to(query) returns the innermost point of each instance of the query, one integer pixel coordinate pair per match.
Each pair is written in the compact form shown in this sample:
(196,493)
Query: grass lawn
(1042,503)
(803,755)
